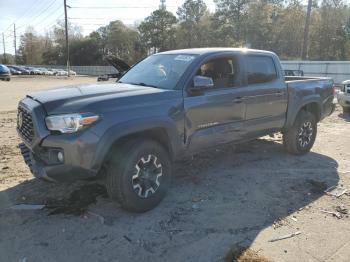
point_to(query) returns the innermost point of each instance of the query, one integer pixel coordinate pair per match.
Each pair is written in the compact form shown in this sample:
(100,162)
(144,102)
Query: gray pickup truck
(168,106)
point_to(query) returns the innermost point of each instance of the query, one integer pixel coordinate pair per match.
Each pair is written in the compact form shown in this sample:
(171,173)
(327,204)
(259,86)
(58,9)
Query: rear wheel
(138,175)
(300,138)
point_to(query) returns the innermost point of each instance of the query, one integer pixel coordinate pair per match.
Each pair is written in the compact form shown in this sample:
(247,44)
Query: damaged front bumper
(35,167)
(54,157)
(43,165)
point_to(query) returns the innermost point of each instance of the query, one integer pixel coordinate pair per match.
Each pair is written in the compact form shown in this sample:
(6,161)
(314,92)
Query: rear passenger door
(266,94)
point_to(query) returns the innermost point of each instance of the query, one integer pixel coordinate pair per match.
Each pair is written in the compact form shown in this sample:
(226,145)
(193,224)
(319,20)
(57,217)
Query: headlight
(70,123)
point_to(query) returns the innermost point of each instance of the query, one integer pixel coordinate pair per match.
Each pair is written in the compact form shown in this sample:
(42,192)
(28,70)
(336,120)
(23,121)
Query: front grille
(25,124)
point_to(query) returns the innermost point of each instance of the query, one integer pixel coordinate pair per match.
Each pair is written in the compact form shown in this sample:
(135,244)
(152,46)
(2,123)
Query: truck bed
(318,90)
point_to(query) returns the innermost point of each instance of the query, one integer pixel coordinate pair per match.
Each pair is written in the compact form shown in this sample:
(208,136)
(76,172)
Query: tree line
(276,25)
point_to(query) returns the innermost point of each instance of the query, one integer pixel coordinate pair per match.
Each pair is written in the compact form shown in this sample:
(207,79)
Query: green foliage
(275,25)
(158,30)
(8,59)
(190,31)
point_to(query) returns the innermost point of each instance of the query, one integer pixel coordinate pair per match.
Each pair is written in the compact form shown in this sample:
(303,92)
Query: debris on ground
(243,254)
(336,214)
(294,218)
(285,236)
(317,187)
(341,209)
(27,207)
(279,223)
(335,191)
(78,201)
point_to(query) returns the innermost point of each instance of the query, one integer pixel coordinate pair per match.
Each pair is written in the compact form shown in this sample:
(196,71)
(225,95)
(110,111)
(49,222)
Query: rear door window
(260,69)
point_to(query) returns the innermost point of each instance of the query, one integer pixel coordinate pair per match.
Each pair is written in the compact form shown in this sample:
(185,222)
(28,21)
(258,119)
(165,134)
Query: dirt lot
(229,197)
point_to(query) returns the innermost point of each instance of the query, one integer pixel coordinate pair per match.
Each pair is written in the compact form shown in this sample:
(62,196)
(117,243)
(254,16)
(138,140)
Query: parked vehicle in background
(33,70)
(43,71)
(61,72)
(170,105)
(13,70)
(5,74)
(52,71)
(343,96)
(72,73)
(288,72)
(21,69)
(118,64)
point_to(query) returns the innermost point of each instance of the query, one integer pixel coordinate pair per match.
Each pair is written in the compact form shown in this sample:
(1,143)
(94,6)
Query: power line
(98,18)
(22,16)
(116,7)
(43,11)
(26,11)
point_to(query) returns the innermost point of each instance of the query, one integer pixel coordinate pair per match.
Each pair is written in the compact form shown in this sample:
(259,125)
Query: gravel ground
(231,196)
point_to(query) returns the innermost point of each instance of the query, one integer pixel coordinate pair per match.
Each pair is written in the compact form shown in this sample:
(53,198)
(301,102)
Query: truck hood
(117,63)
(97,97)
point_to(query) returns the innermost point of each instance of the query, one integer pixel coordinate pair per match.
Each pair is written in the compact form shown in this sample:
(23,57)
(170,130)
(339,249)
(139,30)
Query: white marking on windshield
(185,58)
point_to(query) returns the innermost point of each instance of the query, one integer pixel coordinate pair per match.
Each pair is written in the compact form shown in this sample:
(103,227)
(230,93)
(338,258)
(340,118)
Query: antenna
(162,5)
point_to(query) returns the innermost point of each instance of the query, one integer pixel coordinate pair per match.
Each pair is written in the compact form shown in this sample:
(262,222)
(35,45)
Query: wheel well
(314,109)
(158,134)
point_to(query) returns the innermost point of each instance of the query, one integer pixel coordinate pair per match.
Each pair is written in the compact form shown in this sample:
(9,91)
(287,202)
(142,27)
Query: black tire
(8,79)
(300,138)
(136,168)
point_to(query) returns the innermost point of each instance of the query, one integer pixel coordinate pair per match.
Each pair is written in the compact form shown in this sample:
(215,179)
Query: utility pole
(162,5)
(3,43)
(66,27)
(305,49)
(15,41)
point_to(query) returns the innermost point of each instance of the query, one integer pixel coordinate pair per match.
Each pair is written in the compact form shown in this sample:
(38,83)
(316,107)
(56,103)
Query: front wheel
(138,175)
(300,138)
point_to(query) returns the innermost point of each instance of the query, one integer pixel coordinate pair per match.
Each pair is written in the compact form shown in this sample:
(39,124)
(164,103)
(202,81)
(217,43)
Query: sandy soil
(19,87)
(231,196)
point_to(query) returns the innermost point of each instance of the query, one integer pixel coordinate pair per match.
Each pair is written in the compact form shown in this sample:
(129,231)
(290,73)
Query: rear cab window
(260,69)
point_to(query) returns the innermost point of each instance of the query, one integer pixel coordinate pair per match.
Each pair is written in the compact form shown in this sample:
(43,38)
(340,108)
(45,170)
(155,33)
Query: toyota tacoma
(168,106)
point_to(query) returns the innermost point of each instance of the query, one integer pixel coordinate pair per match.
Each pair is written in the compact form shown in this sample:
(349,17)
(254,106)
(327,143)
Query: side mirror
(202,83)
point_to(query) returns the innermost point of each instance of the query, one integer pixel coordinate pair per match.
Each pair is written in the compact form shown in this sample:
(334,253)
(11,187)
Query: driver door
(216,115)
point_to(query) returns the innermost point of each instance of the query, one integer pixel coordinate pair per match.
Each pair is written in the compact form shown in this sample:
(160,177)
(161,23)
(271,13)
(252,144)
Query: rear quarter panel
(311,90)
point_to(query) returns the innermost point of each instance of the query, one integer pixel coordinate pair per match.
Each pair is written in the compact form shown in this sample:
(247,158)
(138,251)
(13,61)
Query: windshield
(161,71)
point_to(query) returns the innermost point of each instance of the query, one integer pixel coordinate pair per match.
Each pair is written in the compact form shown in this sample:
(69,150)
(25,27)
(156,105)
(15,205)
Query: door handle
(238,100)
(279,93)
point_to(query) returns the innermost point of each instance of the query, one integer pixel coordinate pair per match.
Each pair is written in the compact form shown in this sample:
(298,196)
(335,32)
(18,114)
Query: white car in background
(344,96)
(61,72)
(73,73)
(44,71)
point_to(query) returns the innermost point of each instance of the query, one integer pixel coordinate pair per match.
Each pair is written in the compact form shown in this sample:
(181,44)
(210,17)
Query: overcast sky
(42,14)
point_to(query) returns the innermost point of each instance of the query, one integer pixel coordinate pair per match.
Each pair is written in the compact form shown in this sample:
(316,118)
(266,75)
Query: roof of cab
(212,50)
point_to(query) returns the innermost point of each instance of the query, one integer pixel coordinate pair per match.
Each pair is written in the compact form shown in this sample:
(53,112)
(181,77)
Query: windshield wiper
(144,84)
